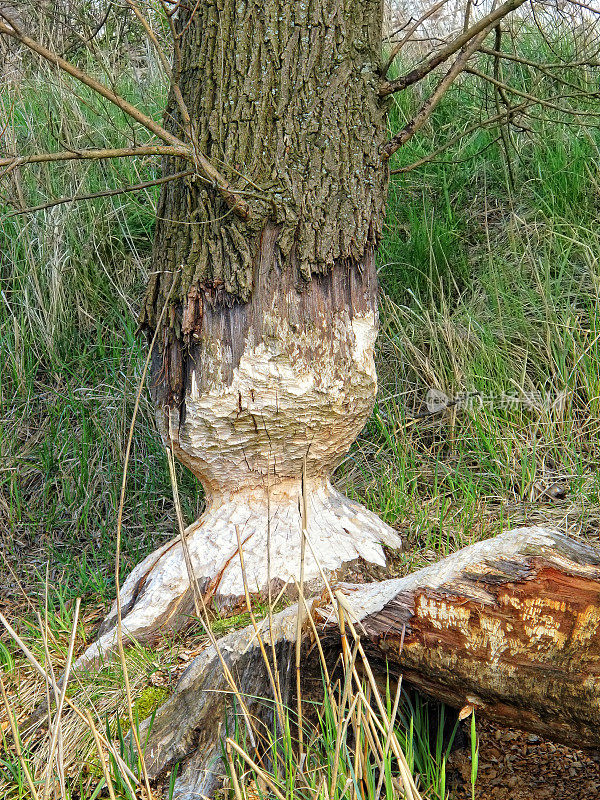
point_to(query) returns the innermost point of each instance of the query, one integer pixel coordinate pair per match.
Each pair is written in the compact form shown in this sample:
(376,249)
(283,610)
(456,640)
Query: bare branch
(585,6)
(409,33)
(543,69)
(92,154)
(129,109)
(467,17)
(536,64)
(484,24)
(183,109)
(430,104)
(152,36)
(204,168)
(500,95)
(505,116)
(87,40)
(537,100)
(107,193)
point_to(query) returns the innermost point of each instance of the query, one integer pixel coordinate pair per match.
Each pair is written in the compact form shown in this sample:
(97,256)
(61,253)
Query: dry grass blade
(17,741)
(254,766)
(100,751)
(342,724)
(324,667)
(46,676)
(58,716)
(302,610)
(120,646)
(271,604)
(233,772)
(342,732)
(274,682)
(184,545)
(407,778)
(390,733)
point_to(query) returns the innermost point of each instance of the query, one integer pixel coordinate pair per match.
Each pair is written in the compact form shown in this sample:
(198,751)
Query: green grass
(492,293)
(71,280)
(343,754)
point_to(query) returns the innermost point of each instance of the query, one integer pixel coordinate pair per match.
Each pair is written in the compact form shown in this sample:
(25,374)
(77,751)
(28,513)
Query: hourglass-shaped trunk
(264,365)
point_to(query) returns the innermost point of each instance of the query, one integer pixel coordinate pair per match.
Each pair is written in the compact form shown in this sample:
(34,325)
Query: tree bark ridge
(284,98)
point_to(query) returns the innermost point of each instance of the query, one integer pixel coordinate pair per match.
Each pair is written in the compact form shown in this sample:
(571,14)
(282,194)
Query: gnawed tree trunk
(265,360)
(509,626)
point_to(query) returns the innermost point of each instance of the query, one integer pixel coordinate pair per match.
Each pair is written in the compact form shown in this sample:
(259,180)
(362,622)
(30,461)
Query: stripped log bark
(509,626)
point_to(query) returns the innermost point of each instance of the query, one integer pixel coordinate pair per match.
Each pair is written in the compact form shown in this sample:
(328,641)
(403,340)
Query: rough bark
(509,626)
(284,96)
(264,366)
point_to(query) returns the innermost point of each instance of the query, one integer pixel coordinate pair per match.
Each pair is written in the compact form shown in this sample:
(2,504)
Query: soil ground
(521,766)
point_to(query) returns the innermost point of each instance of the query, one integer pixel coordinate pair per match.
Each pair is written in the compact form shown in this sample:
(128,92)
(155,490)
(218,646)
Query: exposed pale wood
(509,625)
(286,378)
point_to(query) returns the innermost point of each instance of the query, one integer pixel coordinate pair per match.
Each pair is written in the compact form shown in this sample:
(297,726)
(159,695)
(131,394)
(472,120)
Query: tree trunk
(509,626)
(264,366)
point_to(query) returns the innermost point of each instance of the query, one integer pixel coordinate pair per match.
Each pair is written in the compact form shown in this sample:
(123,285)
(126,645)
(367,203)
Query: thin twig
(428,107)
(205,169)
(100,751)
(471,129)
(61,701)
(167,68)
(484,24)
(537,64)
(409,33)
(537,100)
(500,95)
(17,740)
(108,193)
(128,108)
(97,153)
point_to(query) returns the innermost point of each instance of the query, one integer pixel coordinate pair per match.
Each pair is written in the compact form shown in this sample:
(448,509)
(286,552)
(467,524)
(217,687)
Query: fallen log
(509,626)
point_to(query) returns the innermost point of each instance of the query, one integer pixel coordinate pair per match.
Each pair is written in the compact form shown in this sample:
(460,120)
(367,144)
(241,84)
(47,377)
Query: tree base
(157,593)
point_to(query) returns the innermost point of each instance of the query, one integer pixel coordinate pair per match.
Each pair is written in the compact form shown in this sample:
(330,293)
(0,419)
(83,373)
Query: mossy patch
(144,705)
(222,625)
(148,701)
